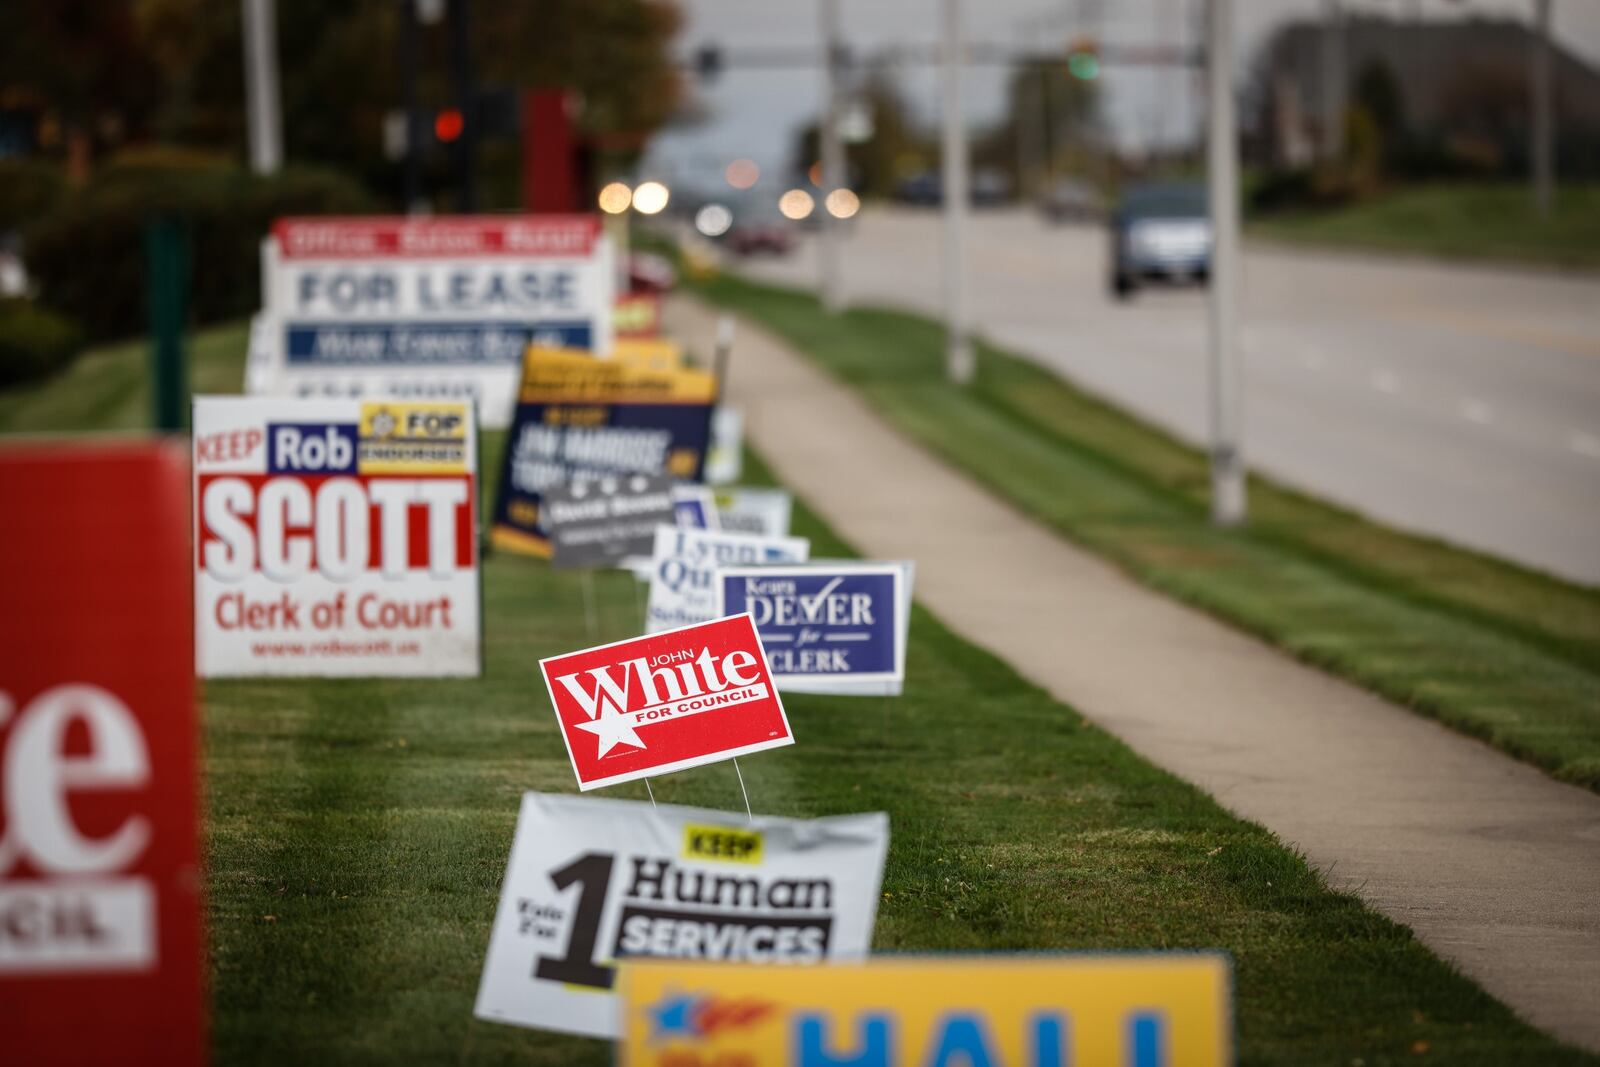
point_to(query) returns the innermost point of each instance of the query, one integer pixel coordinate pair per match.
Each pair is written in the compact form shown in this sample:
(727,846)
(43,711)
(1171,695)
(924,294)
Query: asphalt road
(1460,402)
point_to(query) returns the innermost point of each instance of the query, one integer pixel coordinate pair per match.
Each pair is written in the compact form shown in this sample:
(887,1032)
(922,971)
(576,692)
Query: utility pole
(466,103)
(1544,192)
(1222,173)
(1333,78)
(833,177)
(959,363)
(261,86)
(412,164)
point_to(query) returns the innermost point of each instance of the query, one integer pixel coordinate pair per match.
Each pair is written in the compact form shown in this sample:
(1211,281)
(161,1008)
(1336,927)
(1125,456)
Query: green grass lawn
(358,832)
(1493,222)
(1491,649)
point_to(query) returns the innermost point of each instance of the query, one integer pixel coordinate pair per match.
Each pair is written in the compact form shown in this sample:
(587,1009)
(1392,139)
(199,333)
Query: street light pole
(832,176)
(1543,126)
(959,364)
(261,86)
(1222,166)
(1333,79)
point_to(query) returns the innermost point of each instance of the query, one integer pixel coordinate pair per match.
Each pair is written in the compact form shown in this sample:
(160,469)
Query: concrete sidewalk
(1495,866)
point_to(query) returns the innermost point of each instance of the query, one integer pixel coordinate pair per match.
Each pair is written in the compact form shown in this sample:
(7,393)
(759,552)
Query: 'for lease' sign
(335,537)
(101,944)
(411,309)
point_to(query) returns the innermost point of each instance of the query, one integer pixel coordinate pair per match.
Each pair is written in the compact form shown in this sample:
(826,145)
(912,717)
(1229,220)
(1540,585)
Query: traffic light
(708,62)
(448,124)
(1083,59)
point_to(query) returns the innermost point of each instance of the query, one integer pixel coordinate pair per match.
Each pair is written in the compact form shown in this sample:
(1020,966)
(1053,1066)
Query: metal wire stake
(589,620)
(652,792)
(748,814)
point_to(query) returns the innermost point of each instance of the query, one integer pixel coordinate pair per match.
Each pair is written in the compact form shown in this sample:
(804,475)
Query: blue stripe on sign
(424,344)
(1147,1039)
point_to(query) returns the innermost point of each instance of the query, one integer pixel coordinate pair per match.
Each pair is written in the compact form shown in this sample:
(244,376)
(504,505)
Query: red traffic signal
(447,125)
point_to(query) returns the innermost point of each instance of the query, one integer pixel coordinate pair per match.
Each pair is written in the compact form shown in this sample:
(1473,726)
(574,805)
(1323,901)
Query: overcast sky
(756,112)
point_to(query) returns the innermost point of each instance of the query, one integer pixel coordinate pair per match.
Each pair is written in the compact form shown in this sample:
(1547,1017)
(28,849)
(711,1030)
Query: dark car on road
(1160,233)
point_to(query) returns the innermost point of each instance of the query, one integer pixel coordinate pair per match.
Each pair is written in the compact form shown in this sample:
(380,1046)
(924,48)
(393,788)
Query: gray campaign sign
(596,523)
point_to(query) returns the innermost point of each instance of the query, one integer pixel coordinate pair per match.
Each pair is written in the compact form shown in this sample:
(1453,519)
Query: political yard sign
(594,882)
(598,523)
(638,315)
(335,537)
(753,511)
(683,570)
(827,627)
(666,702)
(390,308)
(1151,1010)
(580,418)
(101,934)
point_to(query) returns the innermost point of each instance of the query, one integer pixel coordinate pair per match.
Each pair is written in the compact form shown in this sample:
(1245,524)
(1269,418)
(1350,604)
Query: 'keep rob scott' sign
(335,537)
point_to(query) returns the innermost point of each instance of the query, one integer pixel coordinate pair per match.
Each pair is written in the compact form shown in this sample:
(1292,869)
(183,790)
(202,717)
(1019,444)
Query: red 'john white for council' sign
(665,702)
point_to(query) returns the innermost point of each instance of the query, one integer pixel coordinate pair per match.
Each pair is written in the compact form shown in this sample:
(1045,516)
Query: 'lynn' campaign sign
(580,418)
(684,565)
(335,537)
(101,936)
(429,309)
(827,628)
(593,882)
(666,702)
(1168,1009)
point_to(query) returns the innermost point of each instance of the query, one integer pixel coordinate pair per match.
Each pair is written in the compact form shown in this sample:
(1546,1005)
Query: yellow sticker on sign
(422,438)
(1156,1010)
(721,843)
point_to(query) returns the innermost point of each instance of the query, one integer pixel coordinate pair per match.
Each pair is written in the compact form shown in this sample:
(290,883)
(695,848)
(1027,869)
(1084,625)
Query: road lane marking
(1474,410)
(1474,324)
(1384,381)
(1584,444)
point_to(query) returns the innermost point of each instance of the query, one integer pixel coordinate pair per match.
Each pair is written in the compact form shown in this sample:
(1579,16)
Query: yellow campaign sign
(656,353)
(1155,1010)
(564,376)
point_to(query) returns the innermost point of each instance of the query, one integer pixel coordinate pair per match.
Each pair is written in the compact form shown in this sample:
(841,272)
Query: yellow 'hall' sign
(1156,1010)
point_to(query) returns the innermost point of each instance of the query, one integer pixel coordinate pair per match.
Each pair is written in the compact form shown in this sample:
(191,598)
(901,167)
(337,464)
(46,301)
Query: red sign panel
(672,700)
(101,943)
(470,236)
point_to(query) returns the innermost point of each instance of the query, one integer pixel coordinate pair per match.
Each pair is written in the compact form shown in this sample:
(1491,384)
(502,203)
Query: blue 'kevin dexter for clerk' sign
(833,628)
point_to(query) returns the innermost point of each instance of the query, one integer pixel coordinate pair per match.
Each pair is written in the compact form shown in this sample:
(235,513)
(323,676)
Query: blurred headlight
(713,220)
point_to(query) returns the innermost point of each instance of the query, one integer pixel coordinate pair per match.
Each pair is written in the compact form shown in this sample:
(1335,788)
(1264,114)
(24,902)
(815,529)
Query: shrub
(34,342)
(87,256)
(29,190)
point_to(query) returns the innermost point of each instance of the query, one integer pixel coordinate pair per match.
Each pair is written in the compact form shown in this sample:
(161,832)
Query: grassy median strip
(1489,648)
(359,830)
(1456,221)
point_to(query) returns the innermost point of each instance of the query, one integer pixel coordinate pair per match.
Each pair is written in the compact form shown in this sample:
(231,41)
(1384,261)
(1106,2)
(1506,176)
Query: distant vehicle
(759,230)
(923,189)
(1160,232)
(989,187)
(1070,200)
